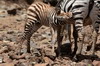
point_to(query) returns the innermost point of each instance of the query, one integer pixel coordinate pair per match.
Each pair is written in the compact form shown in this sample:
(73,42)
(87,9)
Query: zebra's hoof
(93,57)
(76,57)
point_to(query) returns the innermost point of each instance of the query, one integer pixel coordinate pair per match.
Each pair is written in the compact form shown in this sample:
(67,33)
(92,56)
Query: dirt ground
(12,26)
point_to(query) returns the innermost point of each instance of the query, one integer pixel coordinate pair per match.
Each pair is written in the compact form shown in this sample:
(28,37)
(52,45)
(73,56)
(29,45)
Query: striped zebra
(82,10)
(39,14)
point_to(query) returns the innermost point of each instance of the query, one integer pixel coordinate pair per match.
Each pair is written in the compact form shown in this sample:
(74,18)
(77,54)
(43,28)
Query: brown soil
(12,26)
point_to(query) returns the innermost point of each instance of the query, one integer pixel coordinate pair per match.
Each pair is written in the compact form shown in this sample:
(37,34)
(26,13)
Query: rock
(2,16)
(81,64)
(18,19)
(23,16)
(4,49)
(3,13)
(7,64)
(73,63)
(43,64)
(96,63)
(23,50)
(1,59)
(10,37)
(12,12)
(12,9)
(1,38)
(10,32)
(47,60)
(3,4)
(6,58)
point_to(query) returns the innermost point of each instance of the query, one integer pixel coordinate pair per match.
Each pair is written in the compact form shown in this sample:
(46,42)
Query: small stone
(47,60)
(1,39)
(3,13)
(7,64)
(43,64)
(1,59)
(18,19)
(96,63)
(2,16)
(12,11)
(10,32)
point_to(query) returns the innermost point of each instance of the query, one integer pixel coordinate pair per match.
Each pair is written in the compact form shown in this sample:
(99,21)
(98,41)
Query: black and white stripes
(39,14)
(82,10)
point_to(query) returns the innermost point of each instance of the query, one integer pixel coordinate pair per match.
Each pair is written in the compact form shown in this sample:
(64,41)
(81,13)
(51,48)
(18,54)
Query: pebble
(1,38)
(1,59)
(10,32)
(43,64)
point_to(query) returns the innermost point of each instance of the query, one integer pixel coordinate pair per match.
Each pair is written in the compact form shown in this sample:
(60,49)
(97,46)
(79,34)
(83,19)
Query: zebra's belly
(45,23)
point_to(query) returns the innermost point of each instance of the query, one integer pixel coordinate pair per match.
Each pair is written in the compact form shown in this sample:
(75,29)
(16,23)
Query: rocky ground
(12,26)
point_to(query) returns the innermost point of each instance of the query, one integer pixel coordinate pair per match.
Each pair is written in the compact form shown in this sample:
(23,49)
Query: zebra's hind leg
(95,35)
(94,42)
(29,29)
(75,35)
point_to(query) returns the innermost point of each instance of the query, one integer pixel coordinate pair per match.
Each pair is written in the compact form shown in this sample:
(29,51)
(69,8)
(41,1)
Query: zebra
(39,14)
(82,11)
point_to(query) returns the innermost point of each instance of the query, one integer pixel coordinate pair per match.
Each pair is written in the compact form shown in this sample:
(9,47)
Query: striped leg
(80,35)
(68,34)
(59,39)
(30,28)
(80,44)
(95,35)
(68,38)
(75,35)
(94,42)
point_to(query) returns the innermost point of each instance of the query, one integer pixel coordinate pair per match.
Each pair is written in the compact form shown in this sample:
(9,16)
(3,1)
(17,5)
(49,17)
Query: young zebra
(39,14)
(82,11)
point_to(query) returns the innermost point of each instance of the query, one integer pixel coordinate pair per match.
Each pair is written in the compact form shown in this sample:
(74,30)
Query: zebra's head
(63,18)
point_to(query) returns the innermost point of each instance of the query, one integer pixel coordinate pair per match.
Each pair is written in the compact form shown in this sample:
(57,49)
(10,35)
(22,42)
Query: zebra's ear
(64,16)
(58,10)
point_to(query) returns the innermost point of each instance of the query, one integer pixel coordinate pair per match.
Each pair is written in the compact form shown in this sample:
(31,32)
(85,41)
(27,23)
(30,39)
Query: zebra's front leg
(94,38)
(68,34)
(28,45)
(75,35)
(80,44)
(53,40)
(80,34)
(59,39)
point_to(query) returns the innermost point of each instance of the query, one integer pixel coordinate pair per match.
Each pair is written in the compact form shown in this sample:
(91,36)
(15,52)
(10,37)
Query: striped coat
(83,10)
(39,14)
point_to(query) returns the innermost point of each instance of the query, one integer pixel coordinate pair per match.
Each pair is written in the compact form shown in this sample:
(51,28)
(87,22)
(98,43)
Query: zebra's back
(40,12)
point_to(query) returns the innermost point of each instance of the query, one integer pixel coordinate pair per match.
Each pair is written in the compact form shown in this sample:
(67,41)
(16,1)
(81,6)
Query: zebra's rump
(41,12)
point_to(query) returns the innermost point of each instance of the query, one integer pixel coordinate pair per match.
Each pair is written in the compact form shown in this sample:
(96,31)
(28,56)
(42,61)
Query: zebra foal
(39,14)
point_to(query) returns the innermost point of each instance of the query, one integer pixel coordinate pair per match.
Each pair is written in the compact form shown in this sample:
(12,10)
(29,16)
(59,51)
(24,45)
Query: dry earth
(12,26)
